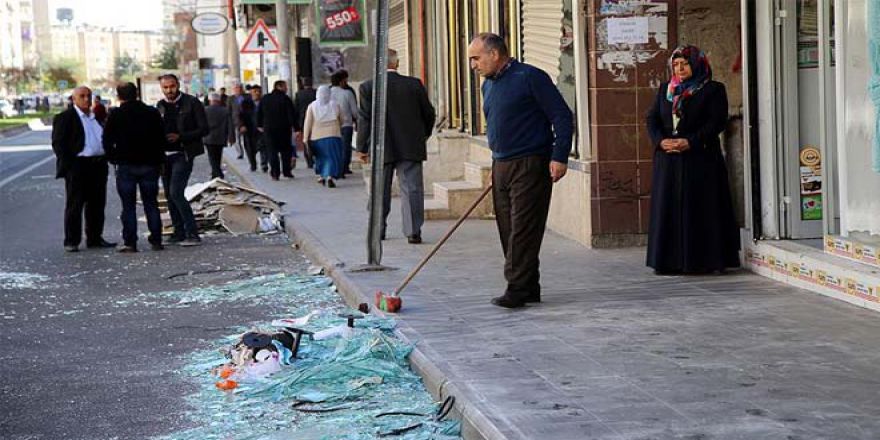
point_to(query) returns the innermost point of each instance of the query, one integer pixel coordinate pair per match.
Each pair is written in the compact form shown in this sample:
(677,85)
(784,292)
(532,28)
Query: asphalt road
(74,363)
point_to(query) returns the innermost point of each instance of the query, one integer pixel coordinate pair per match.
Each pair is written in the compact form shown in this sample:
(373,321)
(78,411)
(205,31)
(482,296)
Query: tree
(126,68)
(167,59)
(21,80)
(61,70)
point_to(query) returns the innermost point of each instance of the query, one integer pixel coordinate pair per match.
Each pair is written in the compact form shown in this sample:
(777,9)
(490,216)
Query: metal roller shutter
(541,33)
(398,33)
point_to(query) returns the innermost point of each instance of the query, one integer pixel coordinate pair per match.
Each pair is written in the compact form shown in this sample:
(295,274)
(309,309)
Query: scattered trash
(218,204)
(281,381)
(21,280)
(316,270)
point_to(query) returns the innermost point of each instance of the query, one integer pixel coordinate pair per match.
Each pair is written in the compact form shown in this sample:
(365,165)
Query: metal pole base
(370,268)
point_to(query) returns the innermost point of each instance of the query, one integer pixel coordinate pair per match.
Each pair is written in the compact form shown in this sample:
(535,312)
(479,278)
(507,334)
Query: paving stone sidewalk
(613,352)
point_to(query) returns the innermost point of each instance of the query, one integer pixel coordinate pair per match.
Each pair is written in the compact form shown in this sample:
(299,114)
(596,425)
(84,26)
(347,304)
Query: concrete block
(478,172)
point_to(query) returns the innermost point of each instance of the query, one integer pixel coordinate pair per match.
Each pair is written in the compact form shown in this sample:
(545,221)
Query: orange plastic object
(391,304)
(226,371)
(226,385)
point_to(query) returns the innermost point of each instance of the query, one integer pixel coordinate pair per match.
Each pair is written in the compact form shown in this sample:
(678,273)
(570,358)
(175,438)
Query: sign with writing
(341,22)
(260,40)
(62,83)
(629,30)
(209,23)
(811,183)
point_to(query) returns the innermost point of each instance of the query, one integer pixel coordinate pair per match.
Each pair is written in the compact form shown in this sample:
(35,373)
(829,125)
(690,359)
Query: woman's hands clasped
(675,146)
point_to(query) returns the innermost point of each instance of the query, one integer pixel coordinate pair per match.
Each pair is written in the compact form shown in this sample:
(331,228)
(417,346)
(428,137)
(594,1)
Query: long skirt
(328,157)
(693,226)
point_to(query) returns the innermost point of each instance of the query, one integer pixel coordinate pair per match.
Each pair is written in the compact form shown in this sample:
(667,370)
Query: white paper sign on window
(630,30)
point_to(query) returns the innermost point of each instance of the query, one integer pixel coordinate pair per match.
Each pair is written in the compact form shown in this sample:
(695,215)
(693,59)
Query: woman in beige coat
(323,130)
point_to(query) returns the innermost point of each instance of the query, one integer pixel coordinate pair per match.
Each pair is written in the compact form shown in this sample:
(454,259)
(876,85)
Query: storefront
(812,192)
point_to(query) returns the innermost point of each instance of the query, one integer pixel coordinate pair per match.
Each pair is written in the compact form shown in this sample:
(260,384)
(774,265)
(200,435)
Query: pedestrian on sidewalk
(99,110)
(304,97)
(134,140)
(257,138)
(410,122)
(322,129)
(184,123)
(224,98)
(219,134)
(234,104)
(276,118)
(348,104)
(529,129)
(693,228)
(82,162)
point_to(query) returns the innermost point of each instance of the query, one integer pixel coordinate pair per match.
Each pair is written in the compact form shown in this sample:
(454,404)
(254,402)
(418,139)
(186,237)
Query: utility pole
(232,43)
(284,43)
(377,144)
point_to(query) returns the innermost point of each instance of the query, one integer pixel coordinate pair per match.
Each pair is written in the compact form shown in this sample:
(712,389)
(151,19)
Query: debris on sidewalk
(221,205)
(280,381)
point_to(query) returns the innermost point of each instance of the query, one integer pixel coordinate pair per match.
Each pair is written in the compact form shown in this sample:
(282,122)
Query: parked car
(6,110)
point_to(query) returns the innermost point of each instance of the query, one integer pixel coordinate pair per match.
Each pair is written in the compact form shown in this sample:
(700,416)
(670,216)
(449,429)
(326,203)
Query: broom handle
(442,240)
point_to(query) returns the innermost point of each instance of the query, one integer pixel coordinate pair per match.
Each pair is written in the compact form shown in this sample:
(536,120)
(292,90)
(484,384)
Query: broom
(392,303)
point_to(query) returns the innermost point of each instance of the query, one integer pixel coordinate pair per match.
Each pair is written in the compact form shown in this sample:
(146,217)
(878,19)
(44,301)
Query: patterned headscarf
(678,91)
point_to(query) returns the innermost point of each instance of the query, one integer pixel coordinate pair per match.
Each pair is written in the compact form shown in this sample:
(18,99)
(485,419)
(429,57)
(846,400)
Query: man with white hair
(409,122)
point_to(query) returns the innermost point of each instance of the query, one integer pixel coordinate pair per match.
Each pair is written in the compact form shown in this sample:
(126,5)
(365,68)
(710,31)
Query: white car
(6,110)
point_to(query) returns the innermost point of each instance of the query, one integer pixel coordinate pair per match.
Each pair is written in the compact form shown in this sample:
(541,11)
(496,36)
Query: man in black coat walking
(134,141)
(184,123)
(410,121)
(276,118)
(76,141)
(304,96)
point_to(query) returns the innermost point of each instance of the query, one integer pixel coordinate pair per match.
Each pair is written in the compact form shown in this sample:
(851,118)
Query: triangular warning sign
(260,40)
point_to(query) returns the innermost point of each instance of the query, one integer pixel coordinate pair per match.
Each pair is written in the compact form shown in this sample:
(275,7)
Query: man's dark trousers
(279,154)
(347,133)
(174,179)
(521,193)
(130,179)
(215,157)
(412,195)
(86,187)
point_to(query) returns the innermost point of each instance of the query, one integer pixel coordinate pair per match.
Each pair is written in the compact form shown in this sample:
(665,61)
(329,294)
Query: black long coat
(409,119)
(693,227)
(277,117)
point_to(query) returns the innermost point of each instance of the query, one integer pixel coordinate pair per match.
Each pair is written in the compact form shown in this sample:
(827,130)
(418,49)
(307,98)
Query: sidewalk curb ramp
(474,424)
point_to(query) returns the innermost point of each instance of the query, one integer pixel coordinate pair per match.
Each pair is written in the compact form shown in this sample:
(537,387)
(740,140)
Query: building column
(623,82)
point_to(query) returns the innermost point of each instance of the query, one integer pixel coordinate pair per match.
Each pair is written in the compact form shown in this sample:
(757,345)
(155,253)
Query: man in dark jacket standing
(76,140)
(234,104)
(184,123)
(219,133)
(410,121)
(304,96)
(276,118)
(134,141)
(529,127)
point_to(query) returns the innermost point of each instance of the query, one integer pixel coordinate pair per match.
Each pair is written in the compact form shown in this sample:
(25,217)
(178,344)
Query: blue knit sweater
(526,115)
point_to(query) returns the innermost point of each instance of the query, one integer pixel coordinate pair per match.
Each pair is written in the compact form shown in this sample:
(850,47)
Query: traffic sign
(62,83)
(260,40)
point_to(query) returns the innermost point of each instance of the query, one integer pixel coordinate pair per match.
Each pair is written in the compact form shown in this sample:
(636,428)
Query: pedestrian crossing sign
(260,40)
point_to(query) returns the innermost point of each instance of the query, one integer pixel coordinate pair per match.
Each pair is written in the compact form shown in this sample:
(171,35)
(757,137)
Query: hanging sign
(341,22)
(209,23)
(260,40)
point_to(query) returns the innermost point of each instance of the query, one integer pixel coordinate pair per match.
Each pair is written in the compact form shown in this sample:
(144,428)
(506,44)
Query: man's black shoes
(507,302)
(100,244)
(414,239)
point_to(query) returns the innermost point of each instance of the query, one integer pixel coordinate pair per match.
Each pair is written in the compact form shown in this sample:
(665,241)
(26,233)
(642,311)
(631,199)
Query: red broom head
(386,303)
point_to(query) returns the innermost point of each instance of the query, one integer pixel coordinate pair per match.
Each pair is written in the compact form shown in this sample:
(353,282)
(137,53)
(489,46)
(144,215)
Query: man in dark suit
(276,118)
(184,121)
(304,96)
(76,140)
(409,121)
(135,142)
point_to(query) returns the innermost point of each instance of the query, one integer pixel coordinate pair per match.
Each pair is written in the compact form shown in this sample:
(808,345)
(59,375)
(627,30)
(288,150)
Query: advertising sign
(341,22)
(209,23)
(811,183)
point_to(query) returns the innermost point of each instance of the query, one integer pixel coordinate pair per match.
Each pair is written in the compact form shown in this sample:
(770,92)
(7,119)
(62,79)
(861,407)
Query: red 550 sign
(342,18)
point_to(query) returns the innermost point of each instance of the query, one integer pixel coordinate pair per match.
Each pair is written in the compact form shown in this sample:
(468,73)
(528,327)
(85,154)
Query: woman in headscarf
(693,228)
(323,130)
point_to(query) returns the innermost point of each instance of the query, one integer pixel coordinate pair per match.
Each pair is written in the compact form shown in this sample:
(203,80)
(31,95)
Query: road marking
(23,148)
(9,179)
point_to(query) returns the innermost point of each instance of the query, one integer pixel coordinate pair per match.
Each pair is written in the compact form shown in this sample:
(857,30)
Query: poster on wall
(341,22)
(811,183)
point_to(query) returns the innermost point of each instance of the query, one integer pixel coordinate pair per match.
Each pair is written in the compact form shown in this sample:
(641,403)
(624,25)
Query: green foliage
(21,80)
(167,59)
(66,69)
(126,68)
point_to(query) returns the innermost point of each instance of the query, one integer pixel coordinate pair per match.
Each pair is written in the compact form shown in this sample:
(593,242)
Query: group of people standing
(144,144)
